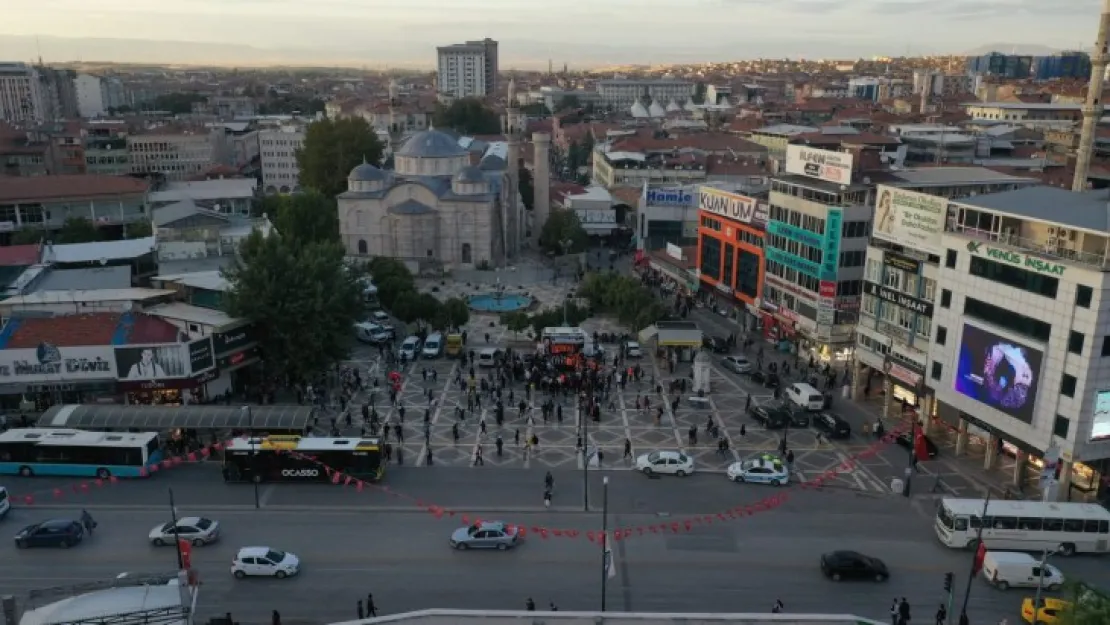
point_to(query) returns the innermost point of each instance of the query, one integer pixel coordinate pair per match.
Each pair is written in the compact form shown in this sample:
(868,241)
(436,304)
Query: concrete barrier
(510,617)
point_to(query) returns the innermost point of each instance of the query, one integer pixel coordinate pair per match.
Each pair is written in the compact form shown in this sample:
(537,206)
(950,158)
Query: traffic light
(948,582)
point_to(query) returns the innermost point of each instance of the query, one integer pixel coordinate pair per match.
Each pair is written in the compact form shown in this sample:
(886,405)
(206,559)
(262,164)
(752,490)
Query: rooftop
(47,188)
(20,255)
(208,280)
(79,297)
(99,251)
(109,604)
(191,314)
(1026,106)
(202,190)
(91,279)
(70,331)
(1084,211)
(947,176)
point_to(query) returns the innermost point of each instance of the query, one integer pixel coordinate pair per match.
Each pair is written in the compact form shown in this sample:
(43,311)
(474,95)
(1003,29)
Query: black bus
(297,459)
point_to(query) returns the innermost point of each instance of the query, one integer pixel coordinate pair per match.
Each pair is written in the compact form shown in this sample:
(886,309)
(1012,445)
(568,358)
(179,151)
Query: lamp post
(246,410)
(582,434)
(1040,583)
(176,536)
(975,562)
(606,553)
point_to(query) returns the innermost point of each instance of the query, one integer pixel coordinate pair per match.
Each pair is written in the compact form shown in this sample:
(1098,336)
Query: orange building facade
(730,245)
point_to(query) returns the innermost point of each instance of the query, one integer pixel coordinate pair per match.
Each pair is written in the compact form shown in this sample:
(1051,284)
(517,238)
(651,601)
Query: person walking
(903,612)
(361,613)
(778,607)
(894,612)
(942,615)
(628,450)
(530,605)
(275,618)
(371,608)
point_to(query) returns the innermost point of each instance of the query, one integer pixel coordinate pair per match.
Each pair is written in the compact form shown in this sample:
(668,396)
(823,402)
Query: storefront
(237,352)
(168,374)
(667,215)
(50,374)
(678,340)
(730,247)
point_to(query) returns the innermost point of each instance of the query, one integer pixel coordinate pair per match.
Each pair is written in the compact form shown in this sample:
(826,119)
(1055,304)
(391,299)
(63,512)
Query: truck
(454,345)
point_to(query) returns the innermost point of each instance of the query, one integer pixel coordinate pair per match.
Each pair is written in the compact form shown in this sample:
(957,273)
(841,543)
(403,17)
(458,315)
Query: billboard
(834,167)
(998,372)
(910,219)
(152,362)
(672,196)
(201,355)
(732,206)
(1100,429)
(51,363)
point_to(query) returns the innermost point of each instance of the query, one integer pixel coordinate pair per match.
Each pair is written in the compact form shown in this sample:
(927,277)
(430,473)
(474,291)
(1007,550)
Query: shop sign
(901,373)
(300,473)
(794,233)
(152,362)
(51,363)
(733,206)
(830,257)
(762,215)
(669,197)
(674,251)
(903,263)
(233,340)
(796,263)
(826,316)
(834,167)
(897,298)
(604,217)
(136,386)
(201,357)
(848,303)
(910,219)
(1024,261)
(238,358)
(828,289)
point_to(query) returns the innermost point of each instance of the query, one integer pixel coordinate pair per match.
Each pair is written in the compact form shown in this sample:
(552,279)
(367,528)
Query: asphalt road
(354,543)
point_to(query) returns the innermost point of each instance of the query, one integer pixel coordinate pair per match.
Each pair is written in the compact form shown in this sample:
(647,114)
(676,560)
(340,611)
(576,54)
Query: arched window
(362,249)
(284,188)
(466,256)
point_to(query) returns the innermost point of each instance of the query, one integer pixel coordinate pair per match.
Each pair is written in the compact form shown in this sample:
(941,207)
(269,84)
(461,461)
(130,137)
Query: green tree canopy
(568,103)
(77,230)
(624,297)
(28,236)
(563,233)
(179,103)
(332,148)
(1088,606)
(468,116)
(302,299)
(138,229)
(517,321)
(308,217)
(457,312)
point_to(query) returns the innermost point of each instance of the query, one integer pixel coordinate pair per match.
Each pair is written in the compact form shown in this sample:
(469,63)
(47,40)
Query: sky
(580,32)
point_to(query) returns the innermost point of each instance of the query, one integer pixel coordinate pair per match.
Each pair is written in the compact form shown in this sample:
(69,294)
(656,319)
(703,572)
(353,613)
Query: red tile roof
(71,331)
(148,330)
(42,188)
(20,255)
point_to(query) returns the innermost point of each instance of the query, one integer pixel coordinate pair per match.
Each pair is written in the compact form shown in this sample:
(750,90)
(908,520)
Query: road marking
(667,403)
(627,428)
(264,496)
(436,408)
(724,431)
(855,474)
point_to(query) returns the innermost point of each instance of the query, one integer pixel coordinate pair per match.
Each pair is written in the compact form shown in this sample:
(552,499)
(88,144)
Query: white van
(805,396)
(433,346)
(5,502)
(488,357)
(410,348)
(1012,569)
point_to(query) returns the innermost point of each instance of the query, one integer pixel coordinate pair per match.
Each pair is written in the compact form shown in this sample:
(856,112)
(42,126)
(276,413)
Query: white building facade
(90,95)
(278,154)
(621,93)
(467,69)
(21,96)
(177,153)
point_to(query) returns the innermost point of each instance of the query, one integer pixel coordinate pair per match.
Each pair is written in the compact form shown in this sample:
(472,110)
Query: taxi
(759,471)
(1050,612)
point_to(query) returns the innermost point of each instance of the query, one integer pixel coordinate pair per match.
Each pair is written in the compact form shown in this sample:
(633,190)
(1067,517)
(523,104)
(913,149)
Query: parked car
(832,425)
(486,535)
(768,380)
(905,441)
(665,462)
(715,344)
(63,533)
(264,561)
(379,317)
(799,416)
(768,417)
(632,349)
(410,348)
(197,530)
(737,364)
(838,565)
(759,471)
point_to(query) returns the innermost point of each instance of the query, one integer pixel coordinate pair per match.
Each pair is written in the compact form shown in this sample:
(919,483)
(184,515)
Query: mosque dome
(431,144)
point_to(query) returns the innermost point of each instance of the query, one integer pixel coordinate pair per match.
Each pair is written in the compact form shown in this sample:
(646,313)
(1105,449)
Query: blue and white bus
(77,453)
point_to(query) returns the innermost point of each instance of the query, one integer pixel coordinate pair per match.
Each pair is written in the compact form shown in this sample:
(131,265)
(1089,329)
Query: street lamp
(246,410)
(606,551)
(176,536)
(582,434)
(1040,583)
(975,561)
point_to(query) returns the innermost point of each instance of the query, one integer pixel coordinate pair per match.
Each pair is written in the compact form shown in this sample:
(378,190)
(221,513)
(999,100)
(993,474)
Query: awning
(160,418)
(679,338)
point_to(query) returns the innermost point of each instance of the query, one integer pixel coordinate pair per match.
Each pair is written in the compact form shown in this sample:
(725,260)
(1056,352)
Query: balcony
(1091,260)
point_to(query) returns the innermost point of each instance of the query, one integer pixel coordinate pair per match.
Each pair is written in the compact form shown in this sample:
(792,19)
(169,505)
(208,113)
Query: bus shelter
(270,419)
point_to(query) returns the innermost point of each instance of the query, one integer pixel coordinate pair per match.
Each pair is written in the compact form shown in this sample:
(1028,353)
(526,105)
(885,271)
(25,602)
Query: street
(353,543)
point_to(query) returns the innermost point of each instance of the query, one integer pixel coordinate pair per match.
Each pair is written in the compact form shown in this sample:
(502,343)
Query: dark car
(768,380)
(838,565)
(832,425)
(769,417)
(799,417)
(715,344)
(905,441)
(63,533)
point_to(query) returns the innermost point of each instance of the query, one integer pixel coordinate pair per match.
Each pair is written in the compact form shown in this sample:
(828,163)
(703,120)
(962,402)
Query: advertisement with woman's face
(998,372)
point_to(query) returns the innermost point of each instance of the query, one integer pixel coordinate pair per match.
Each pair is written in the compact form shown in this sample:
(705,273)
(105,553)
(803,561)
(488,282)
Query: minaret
(396,127)
(541,183)
(1092,108)
(513,132)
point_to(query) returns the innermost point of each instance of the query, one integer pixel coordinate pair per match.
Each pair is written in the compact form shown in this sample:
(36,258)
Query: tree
(699,93)
(28,236)
(406,306)
(307,217)
(77,230)
(468,116)
(392,278)
(180,103)
(516,322)
(527,188)
(332,148)
(563,233)
(138,230)
(457,312)
(301,298)
(623,297)
(1088,606)
(568,102)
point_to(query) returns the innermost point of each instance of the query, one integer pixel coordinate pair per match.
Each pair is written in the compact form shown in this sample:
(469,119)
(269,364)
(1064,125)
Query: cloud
(968,9)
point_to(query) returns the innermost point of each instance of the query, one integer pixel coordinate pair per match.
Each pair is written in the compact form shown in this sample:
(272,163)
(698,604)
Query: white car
(759,471)
(488,357)
(379,317)
(665,463)
(632,350)
(410,348)
(737,364)
(197,530)
(264,561)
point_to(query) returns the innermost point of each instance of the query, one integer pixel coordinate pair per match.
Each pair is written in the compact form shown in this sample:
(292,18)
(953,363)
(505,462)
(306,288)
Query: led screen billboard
(998,372)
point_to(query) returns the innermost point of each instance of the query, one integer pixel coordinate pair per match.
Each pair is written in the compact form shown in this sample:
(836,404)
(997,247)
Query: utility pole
(975,561)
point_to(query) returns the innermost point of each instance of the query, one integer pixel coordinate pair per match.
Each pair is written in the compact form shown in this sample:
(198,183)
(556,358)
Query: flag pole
(976,563)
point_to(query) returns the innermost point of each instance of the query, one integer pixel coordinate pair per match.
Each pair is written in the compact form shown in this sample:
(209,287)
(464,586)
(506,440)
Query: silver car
(737,364)
(486,535)
(197,530)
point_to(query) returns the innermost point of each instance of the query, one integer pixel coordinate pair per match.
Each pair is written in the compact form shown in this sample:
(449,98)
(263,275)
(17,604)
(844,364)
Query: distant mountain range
(1013,48)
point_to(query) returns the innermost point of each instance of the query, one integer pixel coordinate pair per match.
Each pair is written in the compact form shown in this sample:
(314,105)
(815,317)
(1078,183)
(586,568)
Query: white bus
(1066,528)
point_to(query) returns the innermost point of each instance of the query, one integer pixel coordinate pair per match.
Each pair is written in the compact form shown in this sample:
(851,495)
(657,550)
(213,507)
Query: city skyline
(385,33)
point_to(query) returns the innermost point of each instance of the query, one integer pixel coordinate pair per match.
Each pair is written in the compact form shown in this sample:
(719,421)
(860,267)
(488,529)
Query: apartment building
(467,69)
(46,202)
(278,147)
(177,152)
(622,93)
(21,95)
(107,151)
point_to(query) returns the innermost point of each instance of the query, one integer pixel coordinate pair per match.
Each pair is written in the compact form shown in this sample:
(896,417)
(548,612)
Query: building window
(942,335)
(1083,296)
(710,257)
(1060,426)
(1075,342)
(945,298)
(467,254)
(950,259)
(362,248)
(1105,346)
(1067,385)
(747,274)
(726,273)
(937,370)
(1003,318)
(1014,276)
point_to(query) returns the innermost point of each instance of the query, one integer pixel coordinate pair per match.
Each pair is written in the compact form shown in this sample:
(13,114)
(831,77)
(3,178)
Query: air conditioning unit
(1052,231)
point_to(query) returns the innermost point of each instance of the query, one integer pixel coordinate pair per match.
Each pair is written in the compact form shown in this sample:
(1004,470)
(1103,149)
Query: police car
(759,471)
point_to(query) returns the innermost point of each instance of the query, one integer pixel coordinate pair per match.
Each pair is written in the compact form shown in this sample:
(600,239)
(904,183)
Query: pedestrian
(87,522)
(627,449)
(371,609)
(428,456)
(894,612)
(530,605)
(478,460)
(553,608)
(500,443)
(942,615)
(903,612)
(361,613)
(778,607)
(275,618)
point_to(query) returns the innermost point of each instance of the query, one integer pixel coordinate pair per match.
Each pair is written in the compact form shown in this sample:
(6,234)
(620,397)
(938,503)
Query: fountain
(498,301)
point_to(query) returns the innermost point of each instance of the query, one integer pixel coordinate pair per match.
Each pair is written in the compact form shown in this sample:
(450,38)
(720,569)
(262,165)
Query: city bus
(1065,528)
(301,459)
(78,453)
